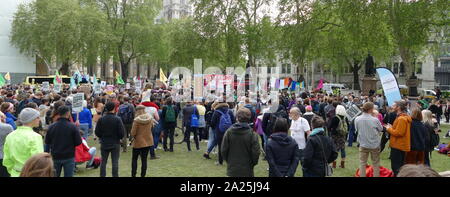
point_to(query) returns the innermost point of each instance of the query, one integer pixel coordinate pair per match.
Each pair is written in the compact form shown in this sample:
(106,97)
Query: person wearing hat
(22,143)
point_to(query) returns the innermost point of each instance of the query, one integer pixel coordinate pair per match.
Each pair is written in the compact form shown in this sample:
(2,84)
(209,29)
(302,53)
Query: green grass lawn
(182,163)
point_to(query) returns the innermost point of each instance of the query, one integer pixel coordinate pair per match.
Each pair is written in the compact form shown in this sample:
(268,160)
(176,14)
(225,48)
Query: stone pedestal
(369,83)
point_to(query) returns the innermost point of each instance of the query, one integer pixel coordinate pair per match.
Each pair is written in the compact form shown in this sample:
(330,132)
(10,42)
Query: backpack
(225,121)
(126,114)
(194,118)
(170,114)
(342,127)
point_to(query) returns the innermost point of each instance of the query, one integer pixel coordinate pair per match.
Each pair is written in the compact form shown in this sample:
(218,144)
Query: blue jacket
(11,120)
(85,117)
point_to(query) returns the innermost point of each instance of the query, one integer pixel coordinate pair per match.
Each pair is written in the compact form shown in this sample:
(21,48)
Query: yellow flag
(8,77)
(162,76)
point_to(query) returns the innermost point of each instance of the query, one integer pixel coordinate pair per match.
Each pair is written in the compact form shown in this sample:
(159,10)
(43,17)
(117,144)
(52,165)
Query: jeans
(309,174)
(168,133)
(343,154)
(106,150)
(85,128)
(187,136)
(397,160)
(92,152)
(375,157)
(143,152)
(156,133)
(67,164)
(351,135)
(211,140)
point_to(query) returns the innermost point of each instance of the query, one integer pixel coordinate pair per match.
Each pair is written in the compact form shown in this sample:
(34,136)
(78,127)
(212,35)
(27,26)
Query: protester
(369,129)
(142,139)
(62,138)
(169,117)
(39,165)
(5,129)
(240,147)
(338,130)
(22,143)
(110,131)
(8,109)
(126,113)
(431,136)
(221,120)
(281,151)
(190,123)
(418,132)
(299,130)
(319,151)
(400,136)
(84,119)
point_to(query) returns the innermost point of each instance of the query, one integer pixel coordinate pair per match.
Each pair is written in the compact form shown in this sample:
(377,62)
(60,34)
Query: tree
(128,20)
(412,25)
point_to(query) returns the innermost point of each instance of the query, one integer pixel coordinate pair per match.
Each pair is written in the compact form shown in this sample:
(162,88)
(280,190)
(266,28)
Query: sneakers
(206,156)
(217,163)
(155,157)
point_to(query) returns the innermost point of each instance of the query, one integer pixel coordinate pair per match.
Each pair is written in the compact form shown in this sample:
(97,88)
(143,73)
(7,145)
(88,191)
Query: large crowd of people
(41,135)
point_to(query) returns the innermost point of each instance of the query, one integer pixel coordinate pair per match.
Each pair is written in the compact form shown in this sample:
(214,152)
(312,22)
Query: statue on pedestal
(370,64)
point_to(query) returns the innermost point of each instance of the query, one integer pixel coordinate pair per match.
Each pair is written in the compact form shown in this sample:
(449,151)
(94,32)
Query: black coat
(418,136)
(313,154)
(281,155)
(62,137)
(187,112)
(110,129)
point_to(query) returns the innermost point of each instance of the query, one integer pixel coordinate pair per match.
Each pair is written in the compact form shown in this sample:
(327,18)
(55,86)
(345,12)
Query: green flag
(2,80)
(119,79)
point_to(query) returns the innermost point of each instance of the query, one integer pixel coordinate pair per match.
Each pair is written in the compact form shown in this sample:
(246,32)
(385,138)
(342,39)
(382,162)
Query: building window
(288,68)
(419,68)
(283,69)
(395,69)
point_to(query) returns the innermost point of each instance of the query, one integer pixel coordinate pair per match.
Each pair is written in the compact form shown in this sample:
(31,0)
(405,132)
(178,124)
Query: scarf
(316,131)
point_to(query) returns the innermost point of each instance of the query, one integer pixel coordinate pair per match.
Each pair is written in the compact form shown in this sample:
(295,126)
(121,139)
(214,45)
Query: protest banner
(57,87)
(77,103)
(45,86)
(128,86)
(390,85)
(103,84)
(97,88)
(353,112)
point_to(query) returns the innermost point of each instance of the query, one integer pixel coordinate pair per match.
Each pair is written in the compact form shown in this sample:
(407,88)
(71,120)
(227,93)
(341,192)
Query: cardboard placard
(45,86)
(103,84)
(57,87)
(128,86)
(97,88)
(353,112)
(77,103)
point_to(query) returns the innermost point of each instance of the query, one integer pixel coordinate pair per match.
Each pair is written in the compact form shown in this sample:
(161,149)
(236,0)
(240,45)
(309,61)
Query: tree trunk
(138,70)
(125,70)
(104,70)
(64,70)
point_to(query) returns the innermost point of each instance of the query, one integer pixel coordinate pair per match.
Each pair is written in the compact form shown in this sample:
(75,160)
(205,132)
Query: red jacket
(82,153)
